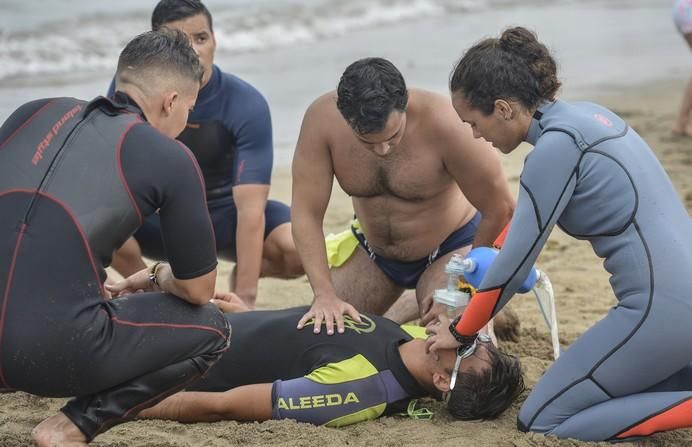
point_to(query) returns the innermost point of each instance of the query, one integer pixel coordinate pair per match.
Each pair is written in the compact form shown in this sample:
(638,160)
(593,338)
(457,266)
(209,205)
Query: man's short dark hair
(163,52)
(369,91)
(167,11)
(486,394)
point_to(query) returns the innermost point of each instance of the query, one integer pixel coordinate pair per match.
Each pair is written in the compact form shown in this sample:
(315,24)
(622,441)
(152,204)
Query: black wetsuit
(76,180)
(332,380)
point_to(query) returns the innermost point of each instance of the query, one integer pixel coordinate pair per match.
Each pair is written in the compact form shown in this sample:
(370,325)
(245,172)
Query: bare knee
(285,264)
(292,267)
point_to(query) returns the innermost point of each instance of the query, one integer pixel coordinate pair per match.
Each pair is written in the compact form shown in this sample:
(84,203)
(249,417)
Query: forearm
(309,240)
(249,245)
(492,223)
(185,407)
(196,291)
(245,403)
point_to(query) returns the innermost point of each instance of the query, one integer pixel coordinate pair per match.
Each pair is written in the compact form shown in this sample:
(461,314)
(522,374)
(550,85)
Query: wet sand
(582,293)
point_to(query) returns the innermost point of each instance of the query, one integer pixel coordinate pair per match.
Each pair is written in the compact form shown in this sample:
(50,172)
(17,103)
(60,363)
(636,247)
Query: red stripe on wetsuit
(679,416)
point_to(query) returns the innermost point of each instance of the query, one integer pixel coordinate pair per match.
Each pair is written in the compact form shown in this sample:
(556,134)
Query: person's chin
(497,146)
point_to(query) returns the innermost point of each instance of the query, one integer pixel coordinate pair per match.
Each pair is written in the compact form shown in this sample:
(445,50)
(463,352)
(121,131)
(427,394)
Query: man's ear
(441,381)
(503,110)
(169,102)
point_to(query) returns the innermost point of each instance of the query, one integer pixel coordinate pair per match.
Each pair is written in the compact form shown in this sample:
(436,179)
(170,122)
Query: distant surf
(54,37)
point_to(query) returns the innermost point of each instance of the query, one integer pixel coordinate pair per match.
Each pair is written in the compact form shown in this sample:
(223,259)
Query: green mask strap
(421,413)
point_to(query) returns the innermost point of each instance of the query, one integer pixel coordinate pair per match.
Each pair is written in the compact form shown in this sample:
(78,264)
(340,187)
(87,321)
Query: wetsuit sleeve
(546,187)
(335,395)
(254,146)
(162,174)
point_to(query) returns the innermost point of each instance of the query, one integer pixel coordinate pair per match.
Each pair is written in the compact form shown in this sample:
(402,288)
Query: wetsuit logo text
(43,145)
(367,325)
(321,400)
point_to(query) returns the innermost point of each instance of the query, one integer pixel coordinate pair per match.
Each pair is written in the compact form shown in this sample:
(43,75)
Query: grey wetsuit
(598,180)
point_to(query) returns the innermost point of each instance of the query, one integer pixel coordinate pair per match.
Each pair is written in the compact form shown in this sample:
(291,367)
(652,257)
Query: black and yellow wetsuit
(326,380)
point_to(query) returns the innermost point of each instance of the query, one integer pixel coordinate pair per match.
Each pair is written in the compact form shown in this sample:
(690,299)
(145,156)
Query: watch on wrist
(153,274)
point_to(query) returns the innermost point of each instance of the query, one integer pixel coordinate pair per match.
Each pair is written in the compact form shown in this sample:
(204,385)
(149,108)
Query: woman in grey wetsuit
(630,374)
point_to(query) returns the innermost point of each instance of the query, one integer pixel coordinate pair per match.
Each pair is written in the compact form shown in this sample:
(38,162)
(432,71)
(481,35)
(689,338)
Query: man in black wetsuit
(375,368)
(230,133)
(76,180)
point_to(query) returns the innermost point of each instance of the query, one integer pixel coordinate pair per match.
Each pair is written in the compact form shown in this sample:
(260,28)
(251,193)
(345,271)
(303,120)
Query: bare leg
(128,258)
(279,256)
(682,125)
(404,309)
(58,430)
(361,283)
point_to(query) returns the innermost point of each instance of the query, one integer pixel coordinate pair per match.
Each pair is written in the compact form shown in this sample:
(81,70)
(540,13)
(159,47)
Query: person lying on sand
(375,368)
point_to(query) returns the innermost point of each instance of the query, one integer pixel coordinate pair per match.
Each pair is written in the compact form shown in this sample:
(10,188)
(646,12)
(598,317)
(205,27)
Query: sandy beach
(624,54)
(582,293)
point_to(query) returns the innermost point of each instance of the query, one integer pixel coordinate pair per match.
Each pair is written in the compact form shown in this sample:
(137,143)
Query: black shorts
(224,217)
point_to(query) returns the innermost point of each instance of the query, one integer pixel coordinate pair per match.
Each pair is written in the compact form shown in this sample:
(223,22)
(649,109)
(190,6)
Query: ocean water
(293,51)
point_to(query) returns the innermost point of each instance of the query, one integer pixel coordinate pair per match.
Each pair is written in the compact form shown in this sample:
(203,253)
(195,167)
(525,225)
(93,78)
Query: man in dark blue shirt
(230,133)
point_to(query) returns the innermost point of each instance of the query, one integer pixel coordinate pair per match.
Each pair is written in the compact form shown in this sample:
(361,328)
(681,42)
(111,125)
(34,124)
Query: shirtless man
(404,158)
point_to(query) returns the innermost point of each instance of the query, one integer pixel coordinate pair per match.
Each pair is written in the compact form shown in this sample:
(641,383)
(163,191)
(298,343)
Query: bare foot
(58,431)
(507,325)
(682,131)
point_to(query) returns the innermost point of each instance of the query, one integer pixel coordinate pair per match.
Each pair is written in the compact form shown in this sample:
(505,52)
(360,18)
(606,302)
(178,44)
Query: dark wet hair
(515,66)
(158,52)
(167,11)
(369,90)
(486,394)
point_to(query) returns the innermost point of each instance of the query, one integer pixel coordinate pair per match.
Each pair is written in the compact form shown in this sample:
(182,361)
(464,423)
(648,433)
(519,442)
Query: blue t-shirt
(230,133)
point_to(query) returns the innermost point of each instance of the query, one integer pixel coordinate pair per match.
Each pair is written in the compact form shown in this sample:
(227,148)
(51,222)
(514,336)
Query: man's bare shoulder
(427,97)
(324,104)
(435,115)
(322,117)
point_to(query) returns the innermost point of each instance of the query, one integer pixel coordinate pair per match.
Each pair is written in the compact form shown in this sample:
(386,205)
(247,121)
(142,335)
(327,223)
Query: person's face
(444,364)
(381,143)
(500,128)
(201,38)
(176,108)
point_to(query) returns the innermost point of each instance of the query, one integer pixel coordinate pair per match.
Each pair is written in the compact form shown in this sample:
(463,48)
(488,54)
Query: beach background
(626,55)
